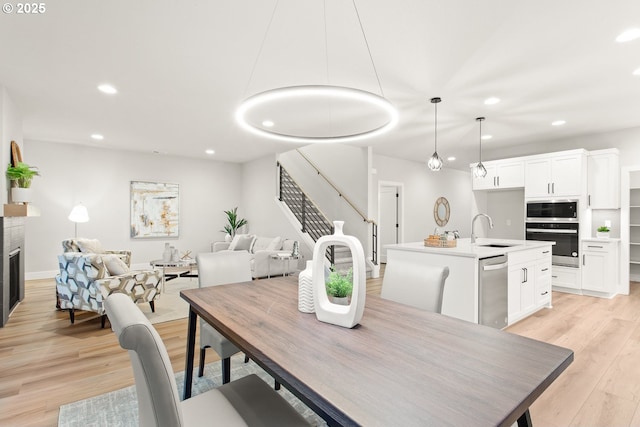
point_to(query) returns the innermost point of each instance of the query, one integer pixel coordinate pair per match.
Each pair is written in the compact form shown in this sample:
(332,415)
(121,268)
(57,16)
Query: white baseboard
(39,275)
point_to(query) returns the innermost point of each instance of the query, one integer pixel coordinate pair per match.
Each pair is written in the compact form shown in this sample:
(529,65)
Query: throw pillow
(115,265)
(267,244)
(241,242)
(275,244)
(91,246)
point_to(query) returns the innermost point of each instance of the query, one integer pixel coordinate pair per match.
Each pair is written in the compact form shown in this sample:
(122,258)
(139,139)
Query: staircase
(314,223)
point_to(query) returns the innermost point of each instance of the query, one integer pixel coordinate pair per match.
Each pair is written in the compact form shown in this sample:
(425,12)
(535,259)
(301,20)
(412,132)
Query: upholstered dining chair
(247,401)
(413,284)
(218,268)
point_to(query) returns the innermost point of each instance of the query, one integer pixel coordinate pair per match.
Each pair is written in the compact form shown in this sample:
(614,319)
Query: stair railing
(374,225)
(289,190)
(312,220)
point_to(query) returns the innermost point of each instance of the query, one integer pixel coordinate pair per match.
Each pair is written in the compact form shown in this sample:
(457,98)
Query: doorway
(389,216)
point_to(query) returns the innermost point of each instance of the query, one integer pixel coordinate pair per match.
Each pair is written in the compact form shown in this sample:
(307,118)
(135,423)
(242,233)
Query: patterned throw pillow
(115,265)
(241,242)
(90,246)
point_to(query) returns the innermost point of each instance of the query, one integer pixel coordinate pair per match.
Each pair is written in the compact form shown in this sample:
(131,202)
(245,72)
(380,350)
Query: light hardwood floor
(45,362)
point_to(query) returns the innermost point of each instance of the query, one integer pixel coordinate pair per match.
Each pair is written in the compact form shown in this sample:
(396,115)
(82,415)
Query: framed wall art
(155,210)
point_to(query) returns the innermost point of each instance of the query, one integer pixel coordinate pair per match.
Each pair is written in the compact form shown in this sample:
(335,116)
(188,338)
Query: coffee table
(187,264)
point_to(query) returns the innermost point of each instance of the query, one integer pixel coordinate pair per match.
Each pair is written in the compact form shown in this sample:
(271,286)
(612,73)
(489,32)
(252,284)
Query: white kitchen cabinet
(599,267)
(603,177)
(501,174)
(529,283)
(566,279)
(554,175)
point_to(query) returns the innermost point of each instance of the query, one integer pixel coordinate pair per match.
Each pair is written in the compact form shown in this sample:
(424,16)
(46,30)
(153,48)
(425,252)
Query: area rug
(120,407)
(169,306)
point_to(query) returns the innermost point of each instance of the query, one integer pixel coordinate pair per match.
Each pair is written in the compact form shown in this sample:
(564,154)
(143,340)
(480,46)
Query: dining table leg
(191,345)
(525,420)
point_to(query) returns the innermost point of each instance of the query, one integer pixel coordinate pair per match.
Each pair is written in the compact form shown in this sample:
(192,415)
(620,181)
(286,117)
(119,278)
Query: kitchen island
(529,273)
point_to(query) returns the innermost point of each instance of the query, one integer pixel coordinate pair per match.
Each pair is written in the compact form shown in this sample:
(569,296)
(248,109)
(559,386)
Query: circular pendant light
(262,99)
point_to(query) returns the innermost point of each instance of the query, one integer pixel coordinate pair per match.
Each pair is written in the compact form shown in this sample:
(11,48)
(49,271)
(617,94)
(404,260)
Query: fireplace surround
(12,266)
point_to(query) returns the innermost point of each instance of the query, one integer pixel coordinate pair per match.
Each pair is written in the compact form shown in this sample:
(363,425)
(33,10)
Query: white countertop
(464,247)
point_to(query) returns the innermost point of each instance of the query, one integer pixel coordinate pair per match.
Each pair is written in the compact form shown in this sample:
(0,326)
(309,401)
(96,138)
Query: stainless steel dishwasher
(492,298)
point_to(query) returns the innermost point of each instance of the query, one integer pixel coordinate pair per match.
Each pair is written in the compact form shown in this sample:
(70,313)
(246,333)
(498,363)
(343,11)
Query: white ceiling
(182,68)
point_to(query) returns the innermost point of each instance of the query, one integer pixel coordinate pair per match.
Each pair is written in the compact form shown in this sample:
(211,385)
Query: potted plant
(233,223)
(21,175)
(603,232)
(340,286)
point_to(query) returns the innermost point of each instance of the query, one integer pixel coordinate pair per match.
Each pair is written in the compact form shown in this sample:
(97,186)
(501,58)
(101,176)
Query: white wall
(100,179)
(11,130)
(422,188)
(507,210)
(264,217)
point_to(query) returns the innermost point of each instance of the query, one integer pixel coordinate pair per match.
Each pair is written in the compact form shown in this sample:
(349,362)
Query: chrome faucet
(473,224)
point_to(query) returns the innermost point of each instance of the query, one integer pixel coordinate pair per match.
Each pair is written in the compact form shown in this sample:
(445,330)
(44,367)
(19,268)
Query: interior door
(388,227)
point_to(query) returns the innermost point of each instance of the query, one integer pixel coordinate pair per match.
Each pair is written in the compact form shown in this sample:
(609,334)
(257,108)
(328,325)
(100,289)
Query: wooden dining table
(400,366)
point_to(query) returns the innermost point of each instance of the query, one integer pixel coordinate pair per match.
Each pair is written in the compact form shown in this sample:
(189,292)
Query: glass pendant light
(435,162)
(480,171)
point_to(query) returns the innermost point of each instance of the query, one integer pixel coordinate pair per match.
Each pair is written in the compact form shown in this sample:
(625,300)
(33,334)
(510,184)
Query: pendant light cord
(435,141)
(368,49)
(264,38)
(480,156)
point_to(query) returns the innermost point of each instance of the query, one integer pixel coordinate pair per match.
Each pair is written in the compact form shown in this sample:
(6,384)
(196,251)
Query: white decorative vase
(166,255)
(20,195)
(350,315)
(602,234)
(175,256)
(305,289)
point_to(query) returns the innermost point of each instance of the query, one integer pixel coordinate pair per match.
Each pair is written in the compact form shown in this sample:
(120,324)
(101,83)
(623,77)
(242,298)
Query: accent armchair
(87,278)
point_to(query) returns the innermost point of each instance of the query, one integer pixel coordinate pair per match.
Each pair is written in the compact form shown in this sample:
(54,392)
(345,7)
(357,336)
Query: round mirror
(441,211)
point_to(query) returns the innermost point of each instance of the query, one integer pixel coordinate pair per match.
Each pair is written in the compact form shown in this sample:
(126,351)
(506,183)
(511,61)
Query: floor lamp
(78,214)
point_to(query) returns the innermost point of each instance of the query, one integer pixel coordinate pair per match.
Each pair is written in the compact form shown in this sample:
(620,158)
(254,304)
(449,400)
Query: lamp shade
(79,213)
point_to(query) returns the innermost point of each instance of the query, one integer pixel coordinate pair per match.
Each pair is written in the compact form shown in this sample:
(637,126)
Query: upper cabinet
(555,175)
(501,174)
(603,172)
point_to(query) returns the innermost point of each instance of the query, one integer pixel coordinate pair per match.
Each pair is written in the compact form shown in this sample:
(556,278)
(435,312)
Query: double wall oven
(555,221)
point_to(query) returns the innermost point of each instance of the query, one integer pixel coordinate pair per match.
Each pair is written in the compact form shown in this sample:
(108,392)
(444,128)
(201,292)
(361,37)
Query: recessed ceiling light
(637,72)
(210,151)
(267,123)
(487,136)
(97,136)
(107,88)
(558,123)
(628,35)
(491,101)
(451,159)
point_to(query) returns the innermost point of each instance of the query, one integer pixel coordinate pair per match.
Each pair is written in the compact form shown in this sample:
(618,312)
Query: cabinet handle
(548,188)
(589,200)
(544,293)
(526,275)
(553,188)
(545,269)
(555,277)
(545,252)
(498,181)
(583,259)
(589,246)
(494,181)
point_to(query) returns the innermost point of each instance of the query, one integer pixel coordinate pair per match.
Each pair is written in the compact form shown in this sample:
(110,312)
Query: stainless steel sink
(496,245)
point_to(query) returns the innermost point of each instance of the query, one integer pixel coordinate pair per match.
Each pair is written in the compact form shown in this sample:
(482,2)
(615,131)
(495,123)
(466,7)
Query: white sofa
(261,249)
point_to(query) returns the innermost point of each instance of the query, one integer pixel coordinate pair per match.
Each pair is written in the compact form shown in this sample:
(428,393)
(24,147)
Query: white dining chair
(219,268)
(247,401)
(415,284)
